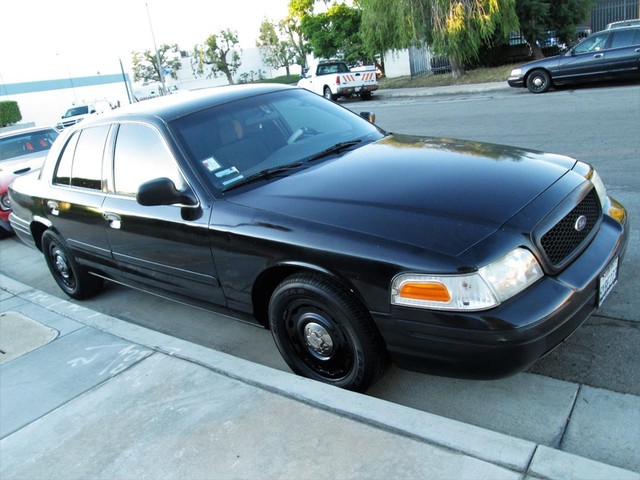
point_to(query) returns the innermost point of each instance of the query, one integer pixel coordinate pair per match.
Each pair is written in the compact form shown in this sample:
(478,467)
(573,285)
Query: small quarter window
(63,170)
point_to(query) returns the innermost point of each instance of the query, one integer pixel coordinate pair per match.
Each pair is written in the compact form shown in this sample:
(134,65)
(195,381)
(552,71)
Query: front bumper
(511,337)
(517,82)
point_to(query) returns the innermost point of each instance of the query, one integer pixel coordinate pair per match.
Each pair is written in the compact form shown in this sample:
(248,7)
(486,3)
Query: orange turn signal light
(430,291)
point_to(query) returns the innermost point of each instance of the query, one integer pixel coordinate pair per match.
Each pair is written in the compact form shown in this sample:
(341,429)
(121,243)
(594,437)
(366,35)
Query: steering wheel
(299,133)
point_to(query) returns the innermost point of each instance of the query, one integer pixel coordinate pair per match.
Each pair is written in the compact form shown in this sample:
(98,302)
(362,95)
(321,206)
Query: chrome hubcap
(538,81)
(318,340)
(61,266)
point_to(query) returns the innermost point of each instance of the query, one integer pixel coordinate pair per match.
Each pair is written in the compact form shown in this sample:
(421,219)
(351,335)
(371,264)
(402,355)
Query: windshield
(25,143)
(72,112)
(232,142)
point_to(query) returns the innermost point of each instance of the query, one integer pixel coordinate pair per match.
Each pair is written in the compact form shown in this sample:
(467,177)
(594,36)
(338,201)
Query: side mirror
(368,116)
(162,191)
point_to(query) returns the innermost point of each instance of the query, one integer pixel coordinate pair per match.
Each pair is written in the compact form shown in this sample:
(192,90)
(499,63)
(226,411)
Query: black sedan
(355,246)
(610,54)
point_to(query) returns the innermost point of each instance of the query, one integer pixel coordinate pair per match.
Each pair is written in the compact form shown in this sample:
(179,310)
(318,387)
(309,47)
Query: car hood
(548,63)
(440,194)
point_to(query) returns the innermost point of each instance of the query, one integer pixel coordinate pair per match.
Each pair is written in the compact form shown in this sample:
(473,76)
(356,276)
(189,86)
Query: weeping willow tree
(455,28)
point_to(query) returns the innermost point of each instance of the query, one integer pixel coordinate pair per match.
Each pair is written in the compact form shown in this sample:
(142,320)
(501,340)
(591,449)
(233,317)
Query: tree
(539,17)
(145,65)
(335,32)
(456,28)
(9,113)
(220,53)
(276,47)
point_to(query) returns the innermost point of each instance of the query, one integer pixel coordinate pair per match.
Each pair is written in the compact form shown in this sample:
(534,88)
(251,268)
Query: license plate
(607,281)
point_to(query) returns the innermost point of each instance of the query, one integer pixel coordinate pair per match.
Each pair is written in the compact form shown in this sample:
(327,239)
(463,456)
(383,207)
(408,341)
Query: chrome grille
(564,238)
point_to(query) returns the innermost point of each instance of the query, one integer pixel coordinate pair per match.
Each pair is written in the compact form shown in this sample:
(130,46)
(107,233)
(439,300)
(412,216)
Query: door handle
(637,50)
(114,220)
(53,206)
(599,55)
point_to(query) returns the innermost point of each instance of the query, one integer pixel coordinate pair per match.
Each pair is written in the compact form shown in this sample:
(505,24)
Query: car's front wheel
(324,333)
(538,81)
(70,277)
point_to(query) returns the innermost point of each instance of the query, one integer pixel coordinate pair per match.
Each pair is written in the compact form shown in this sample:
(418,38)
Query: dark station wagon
(608,55)
(353,245)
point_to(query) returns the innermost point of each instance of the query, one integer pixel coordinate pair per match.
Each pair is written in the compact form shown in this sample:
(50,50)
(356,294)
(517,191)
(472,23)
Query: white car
(78,113)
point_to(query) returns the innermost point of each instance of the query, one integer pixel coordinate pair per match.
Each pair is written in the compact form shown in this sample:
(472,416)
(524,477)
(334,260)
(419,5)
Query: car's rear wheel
(70,277)
(538,81)
(324,333)
(327,94)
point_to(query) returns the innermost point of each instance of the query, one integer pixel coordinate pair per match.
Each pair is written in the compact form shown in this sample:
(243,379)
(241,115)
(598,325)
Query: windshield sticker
(229,175)
(211,164)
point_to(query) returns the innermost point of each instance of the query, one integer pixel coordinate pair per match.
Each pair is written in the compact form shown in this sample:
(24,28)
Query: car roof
(20,131)
(175,106)
(624,23)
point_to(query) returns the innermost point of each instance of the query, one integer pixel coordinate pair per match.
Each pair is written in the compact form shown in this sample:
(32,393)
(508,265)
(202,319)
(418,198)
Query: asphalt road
(598,125)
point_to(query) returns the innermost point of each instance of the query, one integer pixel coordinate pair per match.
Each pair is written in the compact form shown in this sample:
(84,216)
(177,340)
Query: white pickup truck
(335,79)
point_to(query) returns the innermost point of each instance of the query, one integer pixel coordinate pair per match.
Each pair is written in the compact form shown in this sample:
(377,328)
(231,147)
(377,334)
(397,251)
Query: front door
(164,247)
(587,60)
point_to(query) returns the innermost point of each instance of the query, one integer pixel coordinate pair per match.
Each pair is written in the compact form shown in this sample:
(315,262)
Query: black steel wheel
(324,333)
(538,81)
(70,277)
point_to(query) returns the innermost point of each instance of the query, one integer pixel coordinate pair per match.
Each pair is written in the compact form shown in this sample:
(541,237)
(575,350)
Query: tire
(323,333)
(328,95)
(365,96)
(70,277)
(538,81)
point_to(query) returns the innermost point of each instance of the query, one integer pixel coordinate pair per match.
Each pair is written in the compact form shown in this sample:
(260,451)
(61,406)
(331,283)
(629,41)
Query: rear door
(623,54)
(164,247)
(74,202)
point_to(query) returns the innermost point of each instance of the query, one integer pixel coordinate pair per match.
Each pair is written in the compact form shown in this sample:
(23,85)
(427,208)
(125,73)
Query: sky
(42,40)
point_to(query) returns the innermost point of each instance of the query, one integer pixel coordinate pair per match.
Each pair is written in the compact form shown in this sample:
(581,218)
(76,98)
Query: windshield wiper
(337,148)
(264,174)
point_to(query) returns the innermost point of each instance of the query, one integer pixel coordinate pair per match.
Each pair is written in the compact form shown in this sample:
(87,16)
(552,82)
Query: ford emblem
(581,222)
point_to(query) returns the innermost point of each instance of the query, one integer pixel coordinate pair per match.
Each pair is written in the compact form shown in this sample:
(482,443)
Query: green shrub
(9,113)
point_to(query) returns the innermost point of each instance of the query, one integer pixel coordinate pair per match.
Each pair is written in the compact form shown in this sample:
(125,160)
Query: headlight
(5,203)
(594,178)
(485,289)
(516,72)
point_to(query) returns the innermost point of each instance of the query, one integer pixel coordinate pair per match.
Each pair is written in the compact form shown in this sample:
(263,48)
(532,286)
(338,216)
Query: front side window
(594,43)
(141,155)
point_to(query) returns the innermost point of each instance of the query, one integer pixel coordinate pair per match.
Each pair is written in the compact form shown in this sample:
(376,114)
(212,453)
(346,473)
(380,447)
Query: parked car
(78,113)
(351,244)
(609,54)
(624,23)
(21,151)
(334,79)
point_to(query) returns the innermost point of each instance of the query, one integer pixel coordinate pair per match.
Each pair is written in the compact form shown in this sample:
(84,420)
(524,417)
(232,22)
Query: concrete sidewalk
(444,90)
(85,395)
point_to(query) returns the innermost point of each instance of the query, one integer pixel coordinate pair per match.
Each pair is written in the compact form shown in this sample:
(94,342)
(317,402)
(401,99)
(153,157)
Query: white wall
(396,63)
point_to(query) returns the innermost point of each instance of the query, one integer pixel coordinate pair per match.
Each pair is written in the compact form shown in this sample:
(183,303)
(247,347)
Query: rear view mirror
(368,116)
(162,191)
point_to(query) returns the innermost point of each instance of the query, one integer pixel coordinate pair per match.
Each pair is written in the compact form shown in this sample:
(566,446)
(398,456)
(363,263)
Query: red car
(21,151)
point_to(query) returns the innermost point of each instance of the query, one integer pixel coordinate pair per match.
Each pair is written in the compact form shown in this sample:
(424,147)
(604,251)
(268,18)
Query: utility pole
(164,90)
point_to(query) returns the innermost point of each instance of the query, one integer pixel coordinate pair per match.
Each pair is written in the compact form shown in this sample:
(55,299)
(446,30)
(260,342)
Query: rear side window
(622,38)
(80,164)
